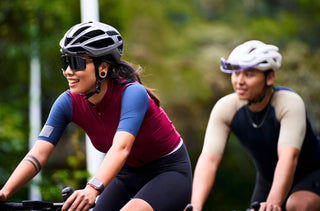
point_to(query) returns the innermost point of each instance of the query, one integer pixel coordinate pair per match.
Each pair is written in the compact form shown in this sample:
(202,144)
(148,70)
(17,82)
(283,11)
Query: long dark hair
(122,73)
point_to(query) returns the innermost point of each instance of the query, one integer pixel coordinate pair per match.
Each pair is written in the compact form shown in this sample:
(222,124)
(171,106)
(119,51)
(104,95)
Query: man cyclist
(271,123)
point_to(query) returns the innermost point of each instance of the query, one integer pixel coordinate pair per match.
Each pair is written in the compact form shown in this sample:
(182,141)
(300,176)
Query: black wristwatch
(96,184)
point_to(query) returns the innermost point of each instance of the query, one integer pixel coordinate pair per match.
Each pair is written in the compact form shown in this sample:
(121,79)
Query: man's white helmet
(251,54)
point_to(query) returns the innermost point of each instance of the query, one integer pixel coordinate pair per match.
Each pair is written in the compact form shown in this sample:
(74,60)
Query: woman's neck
(97,98)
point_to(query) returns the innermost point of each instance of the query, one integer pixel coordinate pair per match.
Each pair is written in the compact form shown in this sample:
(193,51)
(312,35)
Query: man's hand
(269,206)
(3,197)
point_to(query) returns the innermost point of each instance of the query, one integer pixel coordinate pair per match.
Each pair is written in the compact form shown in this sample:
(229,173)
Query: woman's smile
(73,82)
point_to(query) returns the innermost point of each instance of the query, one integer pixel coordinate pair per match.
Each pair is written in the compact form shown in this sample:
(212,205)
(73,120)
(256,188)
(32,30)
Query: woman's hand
(81,199)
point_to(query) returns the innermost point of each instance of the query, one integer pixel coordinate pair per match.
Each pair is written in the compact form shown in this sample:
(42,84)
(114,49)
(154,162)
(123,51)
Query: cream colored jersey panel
(291,113)
(218,127)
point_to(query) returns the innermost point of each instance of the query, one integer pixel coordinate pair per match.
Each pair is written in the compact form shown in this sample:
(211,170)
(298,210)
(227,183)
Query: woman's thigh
(165,184)
(167,191)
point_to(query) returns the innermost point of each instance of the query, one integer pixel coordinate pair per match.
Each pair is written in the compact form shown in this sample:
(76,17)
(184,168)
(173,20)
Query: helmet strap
(263,94)
(96,63)
(261,97)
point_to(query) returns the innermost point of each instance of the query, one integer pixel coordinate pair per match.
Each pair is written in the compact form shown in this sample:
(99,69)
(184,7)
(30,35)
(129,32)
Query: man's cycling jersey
(125,107)
(282,123)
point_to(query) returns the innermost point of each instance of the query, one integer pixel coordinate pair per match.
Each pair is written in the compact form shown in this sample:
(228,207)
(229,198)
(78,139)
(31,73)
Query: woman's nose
(67,71)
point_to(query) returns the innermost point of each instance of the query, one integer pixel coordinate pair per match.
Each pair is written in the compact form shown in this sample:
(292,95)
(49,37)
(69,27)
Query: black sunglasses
(227,67)
(76,63)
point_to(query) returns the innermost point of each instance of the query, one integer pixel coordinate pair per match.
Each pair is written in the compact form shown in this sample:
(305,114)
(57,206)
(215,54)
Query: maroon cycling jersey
(155,138)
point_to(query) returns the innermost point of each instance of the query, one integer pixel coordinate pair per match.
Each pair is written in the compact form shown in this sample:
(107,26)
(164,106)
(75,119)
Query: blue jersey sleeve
(134,104)
(59,117)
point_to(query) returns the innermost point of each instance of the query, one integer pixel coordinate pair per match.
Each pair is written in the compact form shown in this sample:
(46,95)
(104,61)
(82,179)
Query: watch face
(97,183)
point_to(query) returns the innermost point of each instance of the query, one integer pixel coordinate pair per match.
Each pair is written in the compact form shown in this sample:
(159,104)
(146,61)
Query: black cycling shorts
(165,184)
(309,182)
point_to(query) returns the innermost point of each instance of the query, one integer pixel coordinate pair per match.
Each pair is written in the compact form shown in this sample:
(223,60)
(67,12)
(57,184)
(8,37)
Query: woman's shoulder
(134,92)
(64,97)
(135,88)
(134,85)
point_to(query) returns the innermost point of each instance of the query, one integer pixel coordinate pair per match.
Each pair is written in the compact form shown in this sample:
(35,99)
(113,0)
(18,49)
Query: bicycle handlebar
(36,205)
(66,192)
(254,205)
(189,207)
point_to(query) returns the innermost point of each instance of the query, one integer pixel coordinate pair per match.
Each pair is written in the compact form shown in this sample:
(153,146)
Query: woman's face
(248,84)
(81,81)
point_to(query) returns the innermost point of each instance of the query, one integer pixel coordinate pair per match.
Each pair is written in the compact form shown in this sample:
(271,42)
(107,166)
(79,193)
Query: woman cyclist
(146,166)
(271,123)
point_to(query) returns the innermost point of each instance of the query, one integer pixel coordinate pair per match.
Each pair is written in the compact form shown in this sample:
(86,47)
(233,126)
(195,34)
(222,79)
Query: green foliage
(178,44)
(12,144)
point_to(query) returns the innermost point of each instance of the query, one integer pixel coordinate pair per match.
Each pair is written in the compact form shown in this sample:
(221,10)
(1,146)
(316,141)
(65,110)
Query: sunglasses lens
(227,67)
(75,62)
(65,63)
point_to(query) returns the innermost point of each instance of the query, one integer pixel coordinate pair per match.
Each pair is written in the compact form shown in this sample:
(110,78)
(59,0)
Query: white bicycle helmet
(250,54)
(95,39)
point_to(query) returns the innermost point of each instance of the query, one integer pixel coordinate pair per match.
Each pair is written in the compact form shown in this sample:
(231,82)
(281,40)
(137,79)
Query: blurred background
(178,45)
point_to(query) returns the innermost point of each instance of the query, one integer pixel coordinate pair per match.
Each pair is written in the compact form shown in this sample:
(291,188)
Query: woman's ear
(103,69)
(270,78)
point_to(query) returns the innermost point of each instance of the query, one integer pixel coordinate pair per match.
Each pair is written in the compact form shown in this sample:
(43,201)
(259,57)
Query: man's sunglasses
(75,62)
(227,67)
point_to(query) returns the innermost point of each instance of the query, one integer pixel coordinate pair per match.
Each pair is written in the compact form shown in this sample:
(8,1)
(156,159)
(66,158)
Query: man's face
(248,84)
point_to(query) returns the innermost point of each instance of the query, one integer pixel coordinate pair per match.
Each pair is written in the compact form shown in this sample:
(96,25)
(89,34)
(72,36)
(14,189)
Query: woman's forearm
(28,167)
(115,157)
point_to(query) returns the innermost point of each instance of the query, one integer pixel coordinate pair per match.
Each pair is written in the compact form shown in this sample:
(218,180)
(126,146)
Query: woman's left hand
(81,199)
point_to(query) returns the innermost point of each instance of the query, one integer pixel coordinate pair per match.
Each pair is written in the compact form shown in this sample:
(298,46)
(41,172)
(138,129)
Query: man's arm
(283,176)
(204,176)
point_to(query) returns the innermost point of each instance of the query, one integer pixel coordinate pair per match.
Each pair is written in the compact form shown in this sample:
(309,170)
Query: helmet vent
(101,43)
(80,30)
(120,48)
(111,33)
(88,36)
(78,50)
(67,40)
(252,50)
